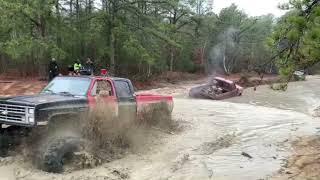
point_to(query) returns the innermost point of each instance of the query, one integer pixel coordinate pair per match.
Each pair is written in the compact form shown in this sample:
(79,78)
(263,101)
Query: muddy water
(219,134)
(301,96)
(222,135)
(245,138)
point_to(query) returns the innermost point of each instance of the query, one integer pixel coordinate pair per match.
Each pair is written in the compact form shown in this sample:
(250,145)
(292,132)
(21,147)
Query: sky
(252,7)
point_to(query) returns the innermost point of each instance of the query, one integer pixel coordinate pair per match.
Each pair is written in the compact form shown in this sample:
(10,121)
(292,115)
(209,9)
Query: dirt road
(247,137)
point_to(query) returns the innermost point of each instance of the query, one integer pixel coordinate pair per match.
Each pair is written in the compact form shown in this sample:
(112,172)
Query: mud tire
(52,158)
(10,138)
(4,145)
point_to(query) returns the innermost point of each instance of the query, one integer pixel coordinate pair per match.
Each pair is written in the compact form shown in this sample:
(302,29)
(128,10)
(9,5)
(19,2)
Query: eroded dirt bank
(305,161)
(248,137)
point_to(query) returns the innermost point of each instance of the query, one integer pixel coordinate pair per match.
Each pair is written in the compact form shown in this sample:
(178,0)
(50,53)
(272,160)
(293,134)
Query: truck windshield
(68,86)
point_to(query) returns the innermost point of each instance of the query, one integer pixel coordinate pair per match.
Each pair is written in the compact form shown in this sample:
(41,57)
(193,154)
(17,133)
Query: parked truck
(66,97)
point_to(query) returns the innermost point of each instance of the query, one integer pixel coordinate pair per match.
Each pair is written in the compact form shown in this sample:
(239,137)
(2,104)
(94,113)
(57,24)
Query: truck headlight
(31,111)
(31,120)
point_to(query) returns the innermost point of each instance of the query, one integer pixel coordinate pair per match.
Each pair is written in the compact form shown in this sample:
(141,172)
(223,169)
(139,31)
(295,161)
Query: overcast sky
(252,7)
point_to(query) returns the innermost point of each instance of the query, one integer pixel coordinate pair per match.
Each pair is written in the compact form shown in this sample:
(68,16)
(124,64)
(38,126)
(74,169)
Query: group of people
(74,70)
(78,69)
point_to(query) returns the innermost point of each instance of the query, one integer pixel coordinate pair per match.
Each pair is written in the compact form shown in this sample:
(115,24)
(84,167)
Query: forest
(143,38)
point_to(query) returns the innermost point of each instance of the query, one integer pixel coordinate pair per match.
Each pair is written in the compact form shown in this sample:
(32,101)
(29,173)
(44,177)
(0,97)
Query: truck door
(126,99)
(103,92)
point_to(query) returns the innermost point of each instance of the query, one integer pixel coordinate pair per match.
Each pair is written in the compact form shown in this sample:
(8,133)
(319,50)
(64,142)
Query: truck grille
(13,113)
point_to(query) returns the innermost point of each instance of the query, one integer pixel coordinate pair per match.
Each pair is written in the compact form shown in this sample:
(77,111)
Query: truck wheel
(4,145)
(10,138)
(52,158)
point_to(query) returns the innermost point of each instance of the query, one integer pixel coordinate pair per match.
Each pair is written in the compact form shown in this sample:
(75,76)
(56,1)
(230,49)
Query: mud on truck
(59,105)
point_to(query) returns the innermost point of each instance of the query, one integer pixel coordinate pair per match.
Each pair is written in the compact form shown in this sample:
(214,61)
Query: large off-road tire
(10,138)
(4,145)
(53,155)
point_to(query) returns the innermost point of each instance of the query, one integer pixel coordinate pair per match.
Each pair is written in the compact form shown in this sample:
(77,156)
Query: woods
(296,38)
(142,38)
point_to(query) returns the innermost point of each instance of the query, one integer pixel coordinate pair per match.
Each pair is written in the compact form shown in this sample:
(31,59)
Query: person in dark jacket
(53,69)
(70,70)
(89,66)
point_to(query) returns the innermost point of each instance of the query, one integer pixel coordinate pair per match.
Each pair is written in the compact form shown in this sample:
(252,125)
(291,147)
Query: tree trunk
(90,6)
(58,24)
(112,52)
(171,59)
(42,27)
(203,52)
(112,39)
(224,64)
(71,6)
(78,9)
(149,70)
(3,64)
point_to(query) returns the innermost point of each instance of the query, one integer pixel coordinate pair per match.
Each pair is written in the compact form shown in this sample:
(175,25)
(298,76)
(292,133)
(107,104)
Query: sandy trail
(243,138)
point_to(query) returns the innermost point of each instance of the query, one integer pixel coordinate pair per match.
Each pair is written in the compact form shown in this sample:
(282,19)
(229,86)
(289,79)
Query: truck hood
(42,99)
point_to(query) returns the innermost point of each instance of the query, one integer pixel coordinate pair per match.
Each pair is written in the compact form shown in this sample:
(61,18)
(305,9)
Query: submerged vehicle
(299,75)
(217,89)
(61,102)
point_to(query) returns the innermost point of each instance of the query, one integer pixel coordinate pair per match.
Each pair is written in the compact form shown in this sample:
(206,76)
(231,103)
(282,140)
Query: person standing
(70,70)
(77,67)
(53,69)
(89,66)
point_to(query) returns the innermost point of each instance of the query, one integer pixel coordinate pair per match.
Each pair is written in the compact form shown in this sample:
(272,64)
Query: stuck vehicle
(217,89)
(64,99)
(299,75)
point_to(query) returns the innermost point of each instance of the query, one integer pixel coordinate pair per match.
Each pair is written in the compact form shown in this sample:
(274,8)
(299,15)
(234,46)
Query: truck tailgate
(144,100)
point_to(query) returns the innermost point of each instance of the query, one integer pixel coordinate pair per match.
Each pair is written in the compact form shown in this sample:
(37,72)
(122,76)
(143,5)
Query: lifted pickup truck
(67,96)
